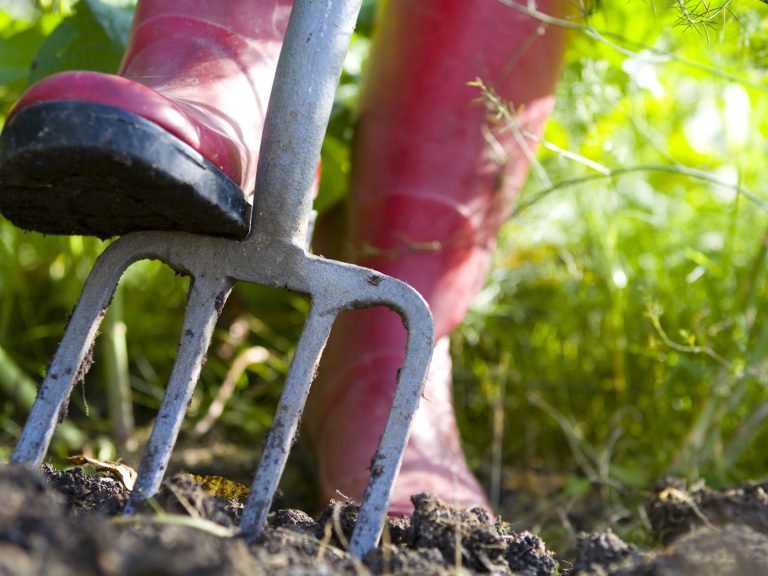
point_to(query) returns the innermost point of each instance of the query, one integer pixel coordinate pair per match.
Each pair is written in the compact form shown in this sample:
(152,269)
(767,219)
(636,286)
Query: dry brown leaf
(125,474)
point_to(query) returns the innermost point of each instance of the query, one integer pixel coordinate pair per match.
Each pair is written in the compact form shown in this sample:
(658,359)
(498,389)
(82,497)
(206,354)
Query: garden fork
(273,254)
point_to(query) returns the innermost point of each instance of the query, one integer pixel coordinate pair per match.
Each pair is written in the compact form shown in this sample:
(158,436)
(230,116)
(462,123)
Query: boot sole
(70,167)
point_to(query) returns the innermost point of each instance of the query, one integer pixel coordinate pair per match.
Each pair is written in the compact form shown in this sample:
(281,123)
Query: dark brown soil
(67,522)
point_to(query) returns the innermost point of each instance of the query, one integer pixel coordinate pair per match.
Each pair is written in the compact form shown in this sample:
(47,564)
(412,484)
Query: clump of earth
(67,522)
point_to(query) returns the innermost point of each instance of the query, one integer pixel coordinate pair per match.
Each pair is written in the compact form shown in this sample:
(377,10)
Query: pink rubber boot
(430,189)
(170,142)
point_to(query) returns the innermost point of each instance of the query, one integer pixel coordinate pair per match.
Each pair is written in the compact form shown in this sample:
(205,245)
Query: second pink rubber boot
(433,178)
(170,142)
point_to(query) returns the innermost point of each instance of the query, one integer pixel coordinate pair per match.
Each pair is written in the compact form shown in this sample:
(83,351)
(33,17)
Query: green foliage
(622,334)
(629,298)
(93,38)
(19,41)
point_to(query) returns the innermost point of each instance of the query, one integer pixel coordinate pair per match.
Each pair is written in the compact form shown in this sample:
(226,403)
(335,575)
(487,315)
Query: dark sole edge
(71,167)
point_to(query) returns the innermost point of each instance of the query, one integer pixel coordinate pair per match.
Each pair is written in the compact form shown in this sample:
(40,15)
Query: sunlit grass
(623,327)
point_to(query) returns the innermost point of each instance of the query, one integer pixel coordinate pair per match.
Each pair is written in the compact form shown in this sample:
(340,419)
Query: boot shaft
(261,20)
(427,122)
(215,60)
(433,176)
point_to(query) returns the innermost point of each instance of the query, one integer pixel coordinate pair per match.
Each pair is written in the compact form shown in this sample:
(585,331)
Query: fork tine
(206,299)
(286,422)
(70,361)
(389,455)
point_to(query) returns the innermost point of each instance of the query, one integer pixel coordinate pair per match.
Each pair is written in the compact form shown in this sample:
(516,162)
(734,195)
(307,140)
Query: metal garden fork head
(273,254)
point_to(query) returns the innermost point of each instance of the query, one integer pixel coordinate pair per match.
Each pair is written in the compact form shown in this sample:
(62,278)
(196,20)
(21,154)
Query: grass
(622,334)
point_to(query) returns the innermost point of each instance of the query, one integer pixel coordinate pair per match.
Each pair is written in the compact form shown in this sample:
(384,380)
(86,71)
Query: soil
(68,522)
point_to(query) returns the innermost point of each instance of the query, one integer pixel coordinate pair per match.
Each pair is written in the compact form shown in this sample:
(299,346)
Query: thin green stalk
(15,383)
(499,401)
(601,36)
(665,168)
(114,352)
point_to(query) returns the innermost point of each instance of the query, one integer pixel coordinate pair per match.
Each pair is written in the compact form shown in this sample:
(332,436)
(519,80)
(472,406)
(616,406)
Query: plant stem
(115,356)
(18,385)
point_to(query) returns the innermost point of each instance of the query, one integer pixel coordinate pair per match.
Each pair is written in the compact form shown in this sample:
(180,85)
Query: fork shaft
(206,299)
(300,105)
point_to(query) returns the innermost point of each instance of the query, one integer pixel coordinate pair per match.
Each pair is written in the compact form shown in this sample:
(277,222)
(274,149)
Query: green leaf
(576,486)
(367,18)
(93,38)
(335,171)
(19,41)
(16,52)
(114,17)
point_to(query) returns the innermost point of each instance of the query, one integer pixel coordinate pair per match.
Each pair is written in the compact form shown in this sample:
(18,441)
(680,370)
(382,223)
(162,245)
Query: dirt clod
(734,550)
(527,555)
(467,539)
(183,495)
(37,534)
(337,519)
(294,520)
(67,522)
(676,510)
(85,494)
(604,553)
(391,559)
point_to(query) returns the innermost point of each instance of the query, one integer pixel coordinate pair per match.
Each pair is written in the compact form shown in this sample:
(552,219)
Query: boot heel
(72,167)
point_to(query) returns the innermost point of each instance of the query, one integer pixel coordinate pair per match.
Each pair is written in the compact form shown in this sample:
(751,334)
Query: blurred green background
(622,335)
